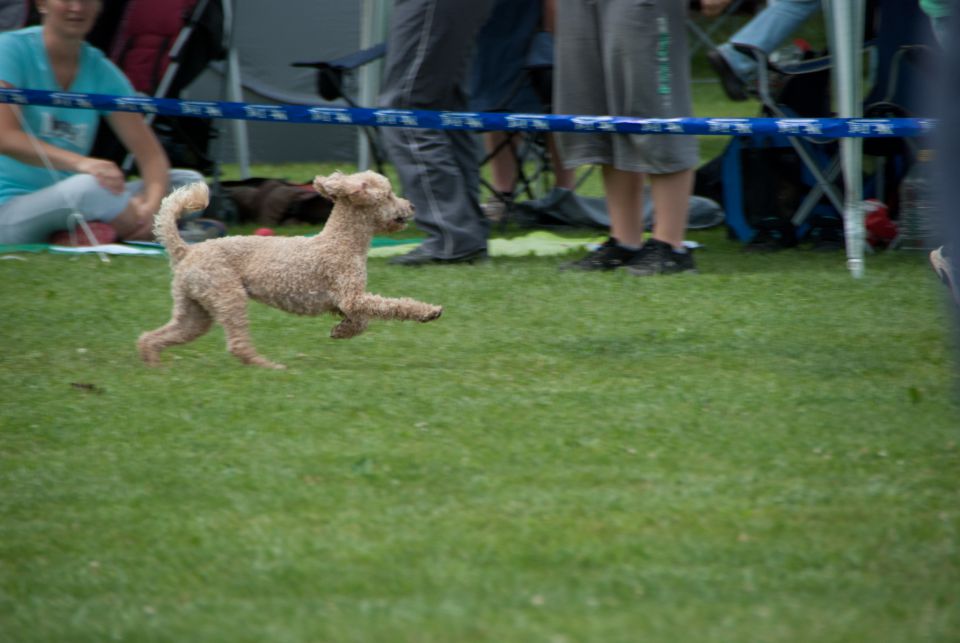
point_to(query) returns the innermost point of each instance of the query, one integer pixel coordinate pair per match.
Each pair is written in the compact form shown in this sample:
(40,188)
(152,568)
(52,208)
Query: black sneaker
(609,256)
(659,258)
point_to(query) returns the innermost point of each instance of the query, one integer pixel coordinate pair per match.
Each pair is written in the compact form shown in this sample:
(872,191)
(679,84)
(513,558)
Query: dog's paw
(348,328)
(433,312)
(263,362)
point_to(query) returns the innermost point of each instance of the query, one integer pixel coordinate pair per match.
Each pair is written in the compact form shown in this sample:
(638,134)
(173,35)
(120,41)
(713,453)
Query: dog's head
(371,194)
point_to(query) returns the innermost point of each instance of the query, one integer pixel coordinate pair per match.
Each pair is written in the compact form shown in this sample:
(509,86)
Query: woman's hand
(144,208)
(107,173)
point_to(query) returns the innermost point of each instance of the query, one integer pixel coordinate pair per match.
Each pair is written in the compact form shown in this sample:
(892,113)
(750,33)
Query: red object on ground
(881,229)
(102,233)
(263,232)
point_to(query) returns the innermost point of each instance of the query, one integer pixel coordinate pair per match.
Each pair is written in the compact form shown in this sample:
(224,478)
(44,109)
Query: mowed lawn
(766,451)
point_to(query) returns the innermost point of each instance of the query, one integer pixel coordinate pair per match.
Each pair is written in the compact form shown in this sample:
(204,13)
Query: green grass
(767,451)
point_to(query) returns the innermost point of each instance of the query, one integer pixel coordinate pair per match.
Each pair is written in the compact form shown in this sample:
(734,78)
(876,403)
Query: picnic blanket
(539,242)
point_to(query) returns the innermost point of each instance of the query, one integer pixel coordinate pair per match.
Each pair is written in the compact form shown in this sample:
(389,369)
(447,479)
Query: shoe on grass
(609,256)
(197,230)
(419,257)
(659,258)
(940,262)
(494,209)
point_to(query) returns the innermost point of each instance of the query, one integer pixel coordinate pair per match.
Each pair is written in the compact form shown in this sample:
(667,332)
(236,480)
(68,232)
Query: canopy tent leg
(373,30)
(846,18)
(234,90)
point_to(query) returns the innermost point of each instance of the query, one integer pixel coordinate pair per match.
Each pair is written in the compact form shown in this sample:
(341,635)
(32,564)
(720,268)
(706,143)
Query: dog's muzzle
(404,217)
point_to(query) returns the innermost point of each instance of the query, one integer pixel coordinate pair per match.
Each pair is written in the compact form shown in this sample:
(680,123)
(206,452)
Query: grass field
(766,451)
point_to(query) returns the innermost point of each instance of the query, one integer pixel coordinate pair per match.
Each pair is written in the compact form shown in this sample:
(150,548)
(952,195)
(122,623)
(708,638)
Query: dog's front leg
(404,308)
(349,327)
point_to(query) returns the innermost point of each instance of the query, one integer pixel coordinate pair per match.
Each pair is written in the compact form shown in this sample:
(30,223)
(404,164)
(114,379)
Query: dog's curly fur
(213,280)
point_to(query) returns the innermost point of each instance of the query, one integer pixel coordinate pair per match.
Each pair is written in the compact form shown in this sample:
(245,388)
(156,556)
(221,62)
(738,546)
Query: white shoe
(494,209)
(940,262)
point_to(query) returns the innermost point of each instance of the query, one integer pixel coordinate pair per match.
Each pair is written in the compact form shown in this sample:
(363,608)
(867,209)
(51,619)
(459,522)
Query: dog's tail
(189,198)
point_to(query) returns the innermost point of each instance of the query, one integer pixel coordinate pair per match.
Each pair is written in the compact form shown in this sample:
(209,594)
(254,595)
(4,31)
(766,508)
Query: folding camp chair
(895,52)
(335,80)
(530,150)
(704,36)
(15,14)
(161,58)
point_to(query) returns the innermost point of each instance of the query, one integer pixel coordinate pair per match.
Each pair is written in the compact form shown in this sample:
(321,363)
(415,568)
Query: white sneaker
(494,209)
(940,262)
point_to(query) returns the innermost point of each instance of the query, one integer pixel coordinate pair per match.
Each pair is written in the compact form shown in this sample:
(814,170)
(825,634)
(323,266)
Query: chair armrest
(330,72)
(350,61)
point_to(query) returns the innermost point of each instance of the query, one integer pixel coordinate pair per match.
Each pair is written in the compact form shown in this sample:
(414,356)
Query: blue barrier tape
(323,115)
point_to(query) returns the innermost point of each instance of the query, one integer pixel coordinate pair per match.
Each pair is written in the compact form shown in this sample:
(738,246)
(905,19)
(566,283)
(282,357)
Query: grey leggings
(31,218)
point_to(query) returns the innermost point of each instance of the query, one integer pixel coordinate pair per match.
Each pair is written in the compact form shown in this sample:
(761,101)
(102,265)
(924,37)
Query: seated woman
(46,173)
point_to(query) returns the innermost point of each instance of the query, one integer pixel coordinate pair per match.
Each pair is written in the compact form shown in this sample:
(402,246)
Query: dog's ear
(364,192)
(331,186)
(357,190)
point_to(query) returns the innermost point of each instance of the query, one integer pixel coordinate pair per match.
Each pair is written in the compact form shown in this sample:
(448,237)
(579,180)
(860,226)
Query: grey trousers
(428,56)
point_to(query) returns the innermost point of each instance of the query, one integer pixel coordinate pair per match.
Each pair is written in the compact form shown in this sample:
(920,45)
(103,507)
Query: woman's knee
(180,177)
(93,200)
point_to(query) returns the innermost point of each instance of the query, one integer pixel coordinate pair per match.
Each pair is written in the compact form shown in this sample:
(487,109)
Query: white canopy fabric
(846,25)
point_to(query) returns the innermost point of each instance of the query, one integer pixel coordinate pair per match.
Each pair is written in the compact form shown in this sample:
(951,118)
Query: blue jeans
(766,31)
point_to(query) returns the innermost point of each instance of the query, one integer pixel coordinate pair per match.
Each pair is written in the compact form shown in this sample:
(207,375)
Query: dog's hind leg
(229,309)
(188,322)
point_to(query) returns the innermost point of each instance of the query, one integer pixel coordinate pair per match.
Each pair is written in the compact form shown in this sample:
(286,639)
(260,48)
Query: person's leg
(180,177)
(671,202)
(946,259)
(129,225)
(33,217)
(427,57)
(579,83)
(563,177)
(766,31)
(647,60)
(624,193)
(503,162)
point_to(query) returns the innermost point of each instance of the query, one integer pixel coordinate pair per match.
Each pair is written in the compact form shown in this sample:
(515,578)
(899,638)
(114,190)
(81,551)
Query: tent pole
(372,31)
(234,91)
(846,33)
